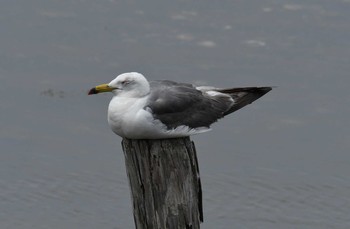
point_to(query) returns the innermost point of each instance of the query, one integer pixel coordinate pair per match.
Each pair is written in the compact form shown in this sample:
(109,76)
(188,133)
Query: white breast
(127,118)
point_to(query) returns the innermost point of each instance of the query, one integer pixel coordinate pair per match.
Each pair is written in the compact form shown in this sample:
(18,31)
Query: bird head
(131,84)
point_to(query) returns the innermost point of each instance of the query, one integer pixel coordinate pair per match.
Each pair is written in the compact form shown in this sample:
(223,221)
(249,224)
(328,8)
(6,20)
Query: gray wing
(176,104)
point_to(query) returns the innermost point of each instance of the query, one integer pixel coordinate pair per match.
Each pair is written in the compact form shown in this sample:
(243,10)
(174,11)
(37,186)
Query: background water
(282,162)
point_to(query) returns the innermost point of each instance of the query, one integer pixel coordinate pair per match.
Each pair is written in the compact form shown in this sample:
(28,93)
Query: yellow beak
(100,89)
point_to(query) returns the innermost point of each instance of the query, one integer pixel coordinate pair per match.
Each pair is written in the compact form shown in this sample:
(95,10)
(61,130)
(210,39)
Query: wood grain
(165,184)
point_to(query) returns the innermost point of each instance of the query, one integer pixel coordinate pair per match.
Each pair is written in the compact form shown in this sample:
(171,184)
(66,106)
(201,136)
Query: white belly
(127,118)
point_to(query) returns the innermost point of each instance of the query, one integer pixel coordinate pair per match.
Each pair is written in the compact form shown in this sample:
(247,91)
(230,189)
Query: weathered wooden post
(165,184)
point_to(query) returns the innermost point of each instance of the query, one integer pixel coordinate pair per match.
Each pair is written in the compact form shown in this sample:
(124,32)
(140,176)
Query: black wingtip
(244,96)
(263,90)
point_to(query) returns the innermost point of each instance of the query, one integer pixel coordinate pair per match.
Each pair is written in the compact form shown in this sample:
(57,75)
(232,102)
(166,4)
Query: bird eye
(125,82)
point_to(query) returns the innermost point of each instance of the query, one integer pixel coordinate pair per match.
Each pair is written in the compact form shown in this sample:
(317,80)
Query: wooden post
(165,184)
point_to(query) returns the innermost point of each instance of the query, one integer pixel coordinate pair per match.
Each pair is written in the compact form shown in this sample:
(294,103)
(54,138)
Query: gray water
(282,162)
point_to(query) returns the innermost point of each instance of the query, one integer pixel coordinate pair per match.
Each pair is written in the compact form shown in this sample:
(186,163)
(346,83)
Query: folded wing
(176,104)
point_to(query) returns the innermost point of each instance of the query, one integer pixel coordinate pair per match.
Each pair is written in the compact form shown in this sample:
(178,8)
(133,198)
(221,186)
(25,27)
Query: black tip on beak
(92,91)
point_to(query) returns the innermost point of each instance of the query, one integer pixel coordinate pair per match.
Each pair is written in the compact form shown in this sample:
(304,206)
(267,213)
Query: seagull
(142,109)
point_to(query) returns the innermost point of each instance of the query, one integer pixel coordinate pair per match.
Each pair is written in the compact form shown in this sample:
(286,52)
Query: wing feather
(176,104)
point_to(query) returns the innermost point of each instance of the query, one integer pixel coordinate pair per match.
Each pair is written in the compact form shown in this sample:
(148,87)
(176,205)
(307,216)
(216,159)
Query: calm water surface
(282,162)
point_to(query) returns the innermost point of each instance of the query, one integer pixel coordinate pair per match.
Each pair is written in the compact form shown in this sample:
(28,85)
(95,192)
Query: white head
(131,84)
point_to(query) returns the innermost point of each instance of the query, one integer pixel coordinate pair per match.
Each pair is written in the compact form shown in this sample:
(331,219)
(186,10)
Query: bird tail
(243,96)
